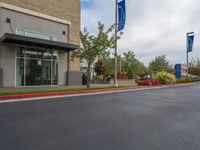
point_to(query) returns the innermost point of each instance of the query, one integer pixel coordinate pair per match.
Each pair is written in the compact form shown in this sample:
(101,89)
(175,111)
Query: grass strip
(58,90)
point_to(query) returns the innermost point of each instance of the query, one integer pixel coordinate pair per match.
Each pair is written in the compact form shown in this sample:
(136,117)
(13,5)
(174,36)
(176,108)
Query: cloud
(153,27)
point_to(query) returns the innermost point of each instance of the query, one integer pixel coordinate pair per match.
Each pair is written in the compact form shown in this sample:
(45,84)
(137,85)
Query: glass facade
(36,34)
(36,67)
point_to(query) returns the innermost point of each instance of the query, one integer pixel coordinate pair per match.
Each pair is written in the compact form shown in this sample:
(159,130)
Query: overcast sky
(153,28)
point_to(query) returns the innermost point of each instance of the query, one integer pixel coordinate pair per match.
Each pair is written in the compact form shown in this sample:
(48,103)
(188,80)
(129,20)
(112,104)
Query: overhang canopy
(30,41)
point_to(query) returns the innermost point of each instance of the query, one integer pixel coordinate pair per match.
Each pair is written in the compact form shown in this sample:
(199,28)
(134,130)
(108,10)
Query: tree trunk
(89,75)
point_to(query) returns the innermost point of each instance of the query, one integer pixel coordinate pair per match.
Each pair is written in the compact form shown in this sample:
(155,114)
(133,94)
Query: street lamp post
(116,24)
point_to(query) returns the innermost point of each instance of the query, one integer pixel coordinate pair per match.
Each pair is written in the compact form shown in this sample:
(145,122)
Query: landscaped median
(47,93)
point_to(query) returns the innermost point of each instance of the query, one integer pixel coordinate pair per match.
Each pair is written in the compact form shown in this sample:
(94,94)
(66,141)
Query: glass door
(38,72)
(36,67)
(20,72)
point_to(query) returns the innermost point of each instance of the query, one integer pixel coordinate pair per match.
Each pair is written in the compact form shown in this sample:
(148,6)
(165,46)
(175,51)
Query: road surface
(161,119)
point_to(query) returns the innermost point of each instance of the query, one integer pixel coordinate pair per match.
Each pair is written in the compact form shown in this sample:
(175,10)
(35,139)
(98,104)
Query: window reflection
(34,34)
(36,67)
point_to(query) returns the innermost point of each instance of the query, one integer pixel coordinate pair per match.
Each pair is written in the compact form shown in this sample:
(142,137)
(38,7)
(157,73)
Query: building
(84,69)
(37,39)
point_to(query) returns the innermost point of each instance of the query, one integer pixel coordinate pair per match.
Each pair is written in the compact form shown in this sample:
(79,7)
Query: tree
(160,63)
(95,46)
(100,68)
(142,70)
(195,67)
(129,57)
(132,66)
(109,66)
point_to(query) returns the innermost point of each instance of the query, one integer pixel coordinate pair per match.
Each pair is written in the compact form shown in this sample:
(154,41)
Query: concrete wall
(0,22)
(1,70)
(23,21)
(8,64)
(62,68)
(1,77)
(0,54)
(74,78)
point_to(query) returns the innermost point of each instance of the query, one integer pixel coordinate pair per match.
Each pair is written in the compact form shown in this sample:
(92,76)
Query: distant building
(37,38)
(84,68)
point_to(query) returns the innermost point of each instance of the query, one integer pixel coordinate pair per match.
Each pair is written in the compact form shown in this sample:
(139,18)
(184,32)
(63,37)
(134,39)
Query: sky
(153,27)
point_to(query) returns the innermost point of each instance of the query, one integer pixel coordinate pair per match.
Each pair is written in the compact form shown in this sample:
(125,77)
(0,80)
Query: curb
(86,92)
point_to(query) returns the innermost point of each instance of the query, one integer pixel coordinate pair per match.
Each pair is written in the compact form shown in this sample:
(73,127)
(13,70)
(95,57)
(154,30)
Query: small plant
(100,77)
(165,78)
(186,80)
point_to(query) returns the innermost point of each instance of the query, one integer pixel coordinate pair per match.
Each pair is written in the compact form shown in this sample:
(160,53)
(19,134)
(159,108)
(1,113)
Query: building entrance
(36,67)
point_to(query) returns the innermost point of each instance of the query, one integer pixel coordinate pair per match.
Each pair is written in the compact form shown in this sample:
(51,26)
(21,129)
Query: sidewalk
(72,92)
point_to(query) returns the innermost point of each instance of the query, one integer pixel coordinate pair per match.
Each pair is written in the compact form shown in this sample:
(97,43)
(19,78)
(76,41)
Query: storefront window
(34,53)
(20,72)
(36,67)
(54,55)
(20,52)
(54,38)
(55,72)
(20,32)
(36,34)
(38,72)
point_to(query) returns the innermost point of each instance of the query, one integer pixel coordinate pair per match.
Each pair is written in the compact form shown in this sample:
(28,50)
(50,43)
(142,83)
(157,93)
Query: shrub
(100,77)
(186,80)
(149,82)
(165,77)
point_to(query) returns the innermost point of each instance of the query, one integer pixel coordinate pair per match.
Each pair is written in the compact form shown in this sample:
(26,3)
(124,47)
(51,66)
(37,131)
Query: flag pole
(188,50)
(187,56)
(116,24)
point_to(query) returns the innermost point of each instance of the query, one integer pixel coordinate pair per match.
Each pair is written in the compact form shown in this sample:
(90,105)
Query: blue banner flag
(190,42)
(121,15)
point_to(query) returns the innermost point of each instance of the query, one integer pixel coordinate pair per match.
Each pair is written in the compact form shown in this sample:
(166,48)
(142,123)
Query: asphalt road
(165,119)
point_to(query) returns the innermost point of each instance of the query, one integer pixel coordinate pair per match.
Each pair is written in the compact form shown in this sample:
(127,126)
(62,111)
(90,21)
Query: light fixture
(8,20)
(64,32)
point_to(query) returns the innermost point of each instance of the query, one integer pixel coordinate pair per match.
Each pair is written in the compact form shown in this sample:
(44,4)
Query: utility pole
(116,29)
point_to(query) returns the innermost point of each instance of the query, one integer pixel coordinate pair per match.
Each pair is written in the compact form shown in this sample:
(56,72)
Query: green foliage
(109,66)
(160,63)
(126,63)
(95,46)
(100,77)
(100,68)
(130,73)
(186,80)
(165,77)
(132,66)
(129,59)
(142,70)
(195,67)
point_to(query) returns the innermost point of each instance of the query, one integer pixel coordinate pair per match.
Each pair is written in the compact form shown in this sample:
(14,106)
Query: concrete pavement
(159,119)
